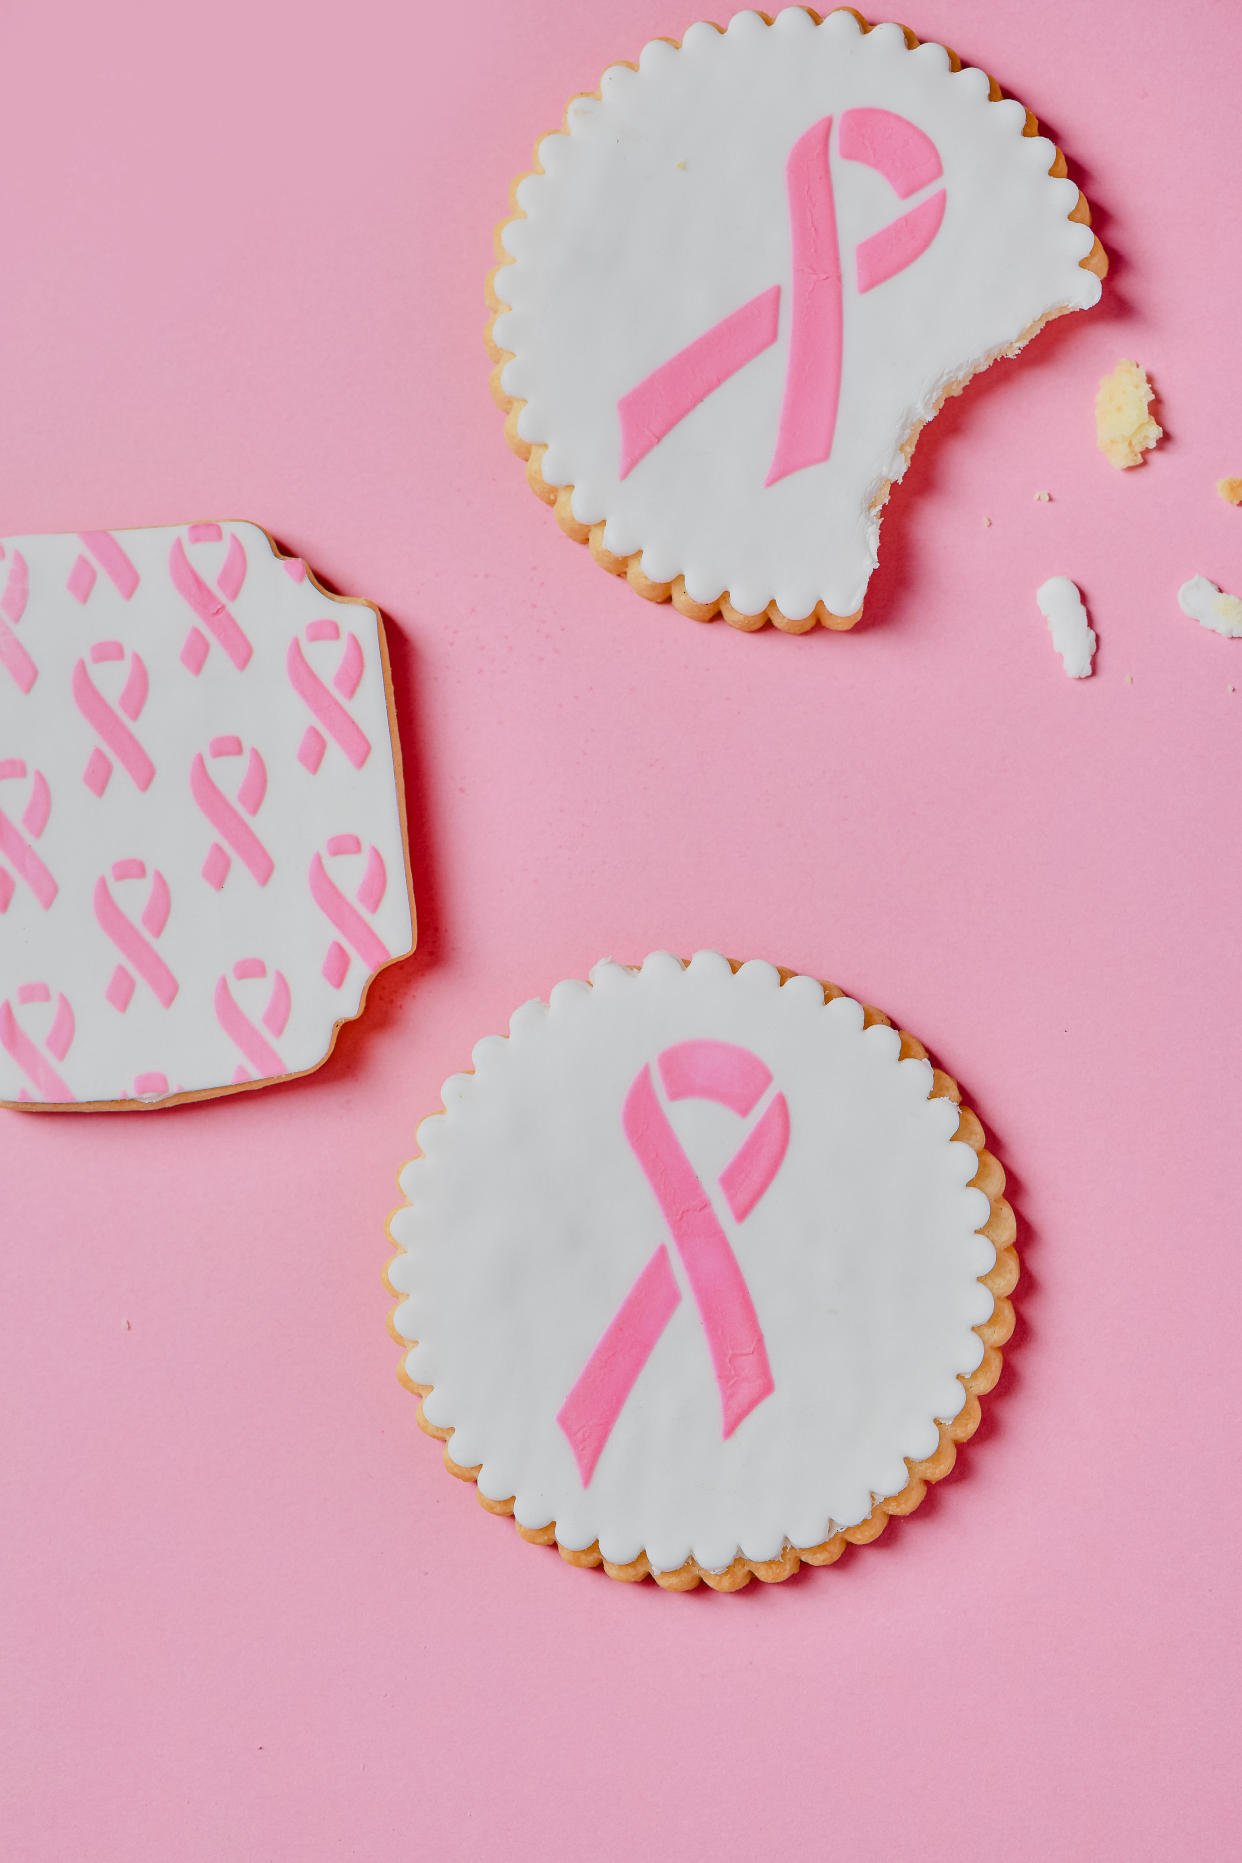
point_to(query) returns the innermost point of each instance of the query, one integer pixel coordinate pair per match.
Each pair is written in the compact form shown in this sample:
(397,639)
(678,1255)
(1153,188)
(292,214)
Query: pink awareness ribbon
(242,1032)
(225,819)
(13,656)
(16,849)
(343,915)
(208,607)
(139,953)
(908,159)
(327,710)
(733,1077)
(31,1059)
(111,558)
(112,731)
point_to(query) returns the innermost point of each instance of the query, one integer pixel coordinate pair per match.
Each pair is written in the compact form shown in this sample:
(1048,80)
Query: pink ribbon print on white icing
(245,1035)
(113,732)
(111,558)
(343,915)
(30,1056)
(186,731)
(328,710)
(14,594)
(16,848)
(908,159)
(211,609)
(134,943)
(729,1076)
(231,826)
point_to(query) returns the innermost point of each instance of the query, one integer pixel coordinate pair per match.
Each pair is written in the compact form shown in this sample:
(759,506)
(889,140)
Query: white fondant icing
(1060,603)
(529,1217)
(663,209)
(210,928)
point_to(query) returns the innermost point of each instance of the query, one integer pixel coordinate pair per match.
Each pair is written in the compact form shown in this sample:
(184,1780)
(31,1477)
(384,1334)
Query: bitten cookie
(740,280)
(702,1272)
(203,858)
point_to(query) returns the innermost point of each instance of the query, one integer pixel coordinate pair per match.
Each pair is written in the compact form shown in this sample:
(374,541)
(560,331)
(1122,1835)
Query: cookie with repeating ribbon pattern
(702,1272)
(203,856)
(741,279)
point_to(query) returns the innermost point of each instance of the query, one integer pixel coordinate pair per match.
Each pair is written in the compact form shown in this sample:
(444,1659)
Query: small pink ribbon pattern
(13,598)
(729,1076)
(110,557)
(909,160)
(231,826)
(114,734)
(242,1032)
(345,917)
(328,711)
(29,1056)
(134,945)
(188,698)
(211,609)
(14,846)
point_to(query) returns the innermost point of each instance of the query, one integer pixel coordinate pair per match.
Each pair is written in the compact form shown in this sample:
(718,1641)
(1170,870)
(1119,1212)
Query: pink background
(243,1612)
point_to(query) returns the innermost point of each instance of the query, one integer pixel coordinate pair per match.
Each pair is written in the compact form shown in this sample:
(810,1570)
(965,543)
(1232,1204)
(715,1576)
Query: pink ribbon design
(224,818)
(13,656)
(110,557)
(14,846)
(141,956)
(908,159)
(329,711)
(113,731)
(344,916)
(211,609)
(31,1059)
(733,1077)
(242,1032)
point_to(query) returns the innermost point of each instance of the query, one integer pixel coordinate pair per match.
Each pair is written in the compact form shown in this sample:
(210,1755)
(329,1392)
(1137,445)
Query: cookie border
(558,497)
(135,1105)
(1000,1281)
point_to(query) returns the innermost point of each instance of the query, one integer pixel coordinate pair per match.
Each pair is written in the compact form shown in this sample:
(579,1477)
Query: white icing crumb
(126,1325)
(1211,607)
(1043,498)
(1124,430)
(1061,605)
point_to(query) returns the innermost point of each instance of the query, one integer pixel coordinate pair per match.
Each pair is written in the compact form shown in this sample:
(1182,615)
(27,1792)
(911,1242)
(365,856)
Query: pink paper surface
(243,1611)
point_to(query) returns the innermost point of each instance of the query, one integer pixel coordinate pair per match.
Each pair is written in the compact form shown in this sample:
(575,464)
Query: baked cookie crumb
(1124,429)
(1230,490)
(1211,607)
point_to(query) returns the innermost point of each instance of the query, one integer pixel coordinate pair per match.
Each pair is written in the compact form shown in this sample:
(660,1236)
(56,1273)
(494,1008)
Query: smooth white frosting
(209,929)
(1211,607)
(529,1217)
(663,208)
(1060,603)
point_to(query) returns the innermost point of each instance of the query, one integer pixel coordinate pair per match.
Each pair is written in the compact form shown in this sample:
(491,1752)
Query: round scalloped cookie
(740,280)
(702,1272)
